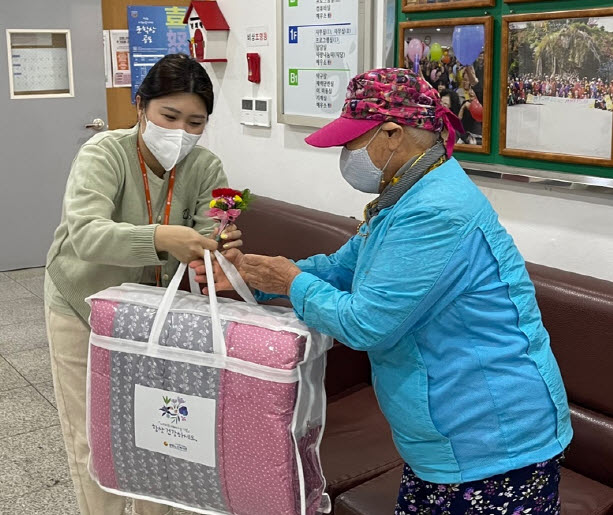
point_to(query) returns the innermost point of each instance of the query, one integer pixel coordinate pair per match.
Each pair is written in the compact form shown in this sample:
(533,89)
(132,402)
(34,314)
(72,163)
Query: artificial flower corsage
(227,205)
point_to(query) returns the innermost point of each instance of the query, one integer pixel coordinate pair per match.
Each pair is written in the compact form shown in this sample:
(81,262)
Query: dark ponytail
(177,73)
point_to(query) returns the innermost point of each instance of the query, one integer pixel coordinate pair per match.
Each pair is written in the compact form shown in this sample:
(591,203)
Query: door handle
(97,124)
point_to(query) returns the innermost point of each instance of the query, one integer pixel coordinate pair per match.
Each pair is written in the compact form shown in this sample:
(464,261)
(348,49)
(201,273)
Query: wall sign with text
(155,31)
(321,47)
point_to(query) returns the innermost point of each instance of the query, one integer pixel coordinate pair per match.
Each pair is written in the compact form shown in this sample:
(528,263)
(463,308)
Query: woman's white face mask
(168,146)
(358,169)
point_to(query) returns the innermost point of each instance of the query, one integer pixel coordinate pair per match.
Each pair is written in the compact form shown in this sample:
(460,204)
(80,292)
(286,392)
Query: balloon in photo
(416,49)
(436,52)
(468,42)
(476,110)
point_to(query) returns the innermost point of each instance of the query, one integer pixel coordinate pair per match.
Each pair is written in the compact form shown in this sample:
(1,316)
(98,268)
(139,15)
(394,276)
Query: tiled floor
(34,476)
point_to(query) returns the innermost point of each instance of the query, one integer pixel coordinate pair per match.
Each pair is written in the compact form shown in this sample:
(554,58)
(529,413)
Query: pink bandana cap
(388,95)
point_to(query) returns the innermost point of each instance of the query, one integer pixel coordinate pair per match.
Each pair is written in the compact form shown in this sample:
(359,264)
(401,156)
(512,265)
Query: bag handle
(237,282)
(219,346)
(234,277)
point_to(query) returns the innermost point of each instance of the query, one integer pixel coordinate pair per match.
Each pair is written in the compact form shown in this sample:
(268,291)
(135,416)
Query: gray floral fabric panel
(139,470)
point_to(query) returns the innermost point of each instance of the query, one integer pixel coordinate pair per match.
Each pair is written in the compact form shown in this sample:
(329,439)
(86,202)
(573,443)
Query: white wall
(560,228)
(564,230)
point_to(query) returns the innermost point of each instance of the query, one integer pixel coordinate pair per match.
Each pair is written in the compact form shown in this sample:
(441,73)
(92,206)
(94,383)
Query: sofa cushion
(583,496)
(376,497)
(357,443)
(579,496)
(276,228)
(346,368)
(578,313)
(591,450)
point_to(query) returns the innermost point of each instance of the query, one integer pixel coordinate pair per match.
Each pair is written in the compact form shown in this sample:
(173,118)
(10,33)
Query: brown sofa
(360,463)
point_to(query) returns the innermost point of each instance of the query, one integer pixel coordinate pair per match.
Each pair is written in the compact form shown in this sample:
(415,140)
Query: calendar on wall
(40,69)
(39,63)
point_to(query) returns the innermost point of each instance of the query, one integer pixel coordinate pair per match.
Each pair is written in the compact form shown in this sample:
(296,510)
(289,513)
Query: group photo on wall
(558,74)
(456,60)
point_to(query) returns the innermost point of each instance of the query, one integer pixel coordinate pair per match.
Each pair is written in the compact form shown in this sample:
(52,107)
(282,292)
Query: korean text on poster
(155,31)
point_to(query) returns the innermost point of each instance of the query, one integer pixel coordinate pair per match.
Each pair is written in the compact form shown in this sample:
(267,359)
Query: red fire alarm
(253,65)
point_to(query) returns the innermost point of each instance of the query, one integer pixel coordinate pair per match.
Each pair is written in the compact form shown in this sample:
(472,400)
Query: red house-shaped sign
(208,31)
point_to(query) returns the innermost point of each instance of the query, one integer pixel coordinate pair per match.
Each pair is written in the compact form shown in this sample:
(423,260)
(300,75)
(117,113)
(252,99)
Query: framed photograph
(455,56)
(409,6)
(557,93)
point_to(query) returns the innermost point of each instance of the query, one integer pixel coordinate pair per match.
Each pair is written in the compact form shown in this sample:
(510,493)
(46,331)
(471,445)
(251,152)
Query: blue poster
(155,31)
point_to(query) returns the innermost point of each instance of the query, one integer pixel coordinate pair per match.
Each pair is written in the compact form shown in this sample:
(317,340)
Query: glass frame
(444,5)
(505,89)
(488,55)
(48,43)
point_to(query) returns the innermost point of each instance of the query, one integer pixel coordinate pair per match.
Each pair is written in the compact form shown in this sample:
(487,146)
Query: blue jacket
(436,292)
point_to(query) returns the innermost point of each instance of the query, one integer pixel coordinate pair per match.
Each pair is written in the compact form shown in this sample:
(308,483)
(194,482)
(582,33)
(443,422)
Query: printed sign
(155,31)
(178,425)
(120,57)
(320,55)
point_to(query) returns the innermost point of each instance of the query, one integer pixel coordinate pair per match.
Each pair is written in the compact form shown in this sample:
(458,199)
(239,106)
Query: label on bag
(182,426)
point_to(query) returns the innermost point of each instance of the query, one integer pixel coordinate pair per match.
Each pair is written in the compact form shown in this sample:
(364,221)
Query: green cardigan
(104,238)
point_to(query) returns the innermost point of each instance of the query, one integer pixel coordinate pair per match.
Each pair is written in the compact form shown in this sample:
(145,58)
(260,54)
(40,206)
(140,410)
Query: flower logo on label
(174,409)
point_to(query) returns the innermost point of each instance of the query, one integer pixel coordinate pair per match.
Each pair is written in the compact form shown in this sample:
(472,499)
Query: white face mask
(358,169)
(168,146)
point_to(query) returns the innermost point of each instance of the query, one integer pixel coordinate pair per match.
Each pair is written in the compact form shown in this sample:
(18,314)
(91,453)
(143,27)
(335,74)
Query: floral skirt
(530,490)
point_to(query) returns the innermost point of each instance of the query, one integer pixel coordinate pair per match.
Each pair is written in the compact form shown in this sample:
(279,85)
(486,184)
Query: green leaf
(247,198)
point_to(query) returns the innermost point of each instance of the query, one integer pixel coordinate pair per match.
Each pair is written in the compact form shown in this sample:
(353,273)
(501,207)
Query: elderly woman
(433,288)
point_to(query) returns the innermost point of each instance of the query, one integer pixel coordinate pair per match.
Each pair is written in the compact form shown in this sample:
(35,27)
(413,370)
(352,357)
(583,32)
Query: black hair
(455,100)
(438,83)
(177,73)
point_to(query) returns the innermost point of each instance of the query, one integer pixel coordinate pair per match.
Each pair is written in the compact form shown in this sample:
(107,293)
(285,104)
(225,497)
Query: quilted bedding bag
(212,405)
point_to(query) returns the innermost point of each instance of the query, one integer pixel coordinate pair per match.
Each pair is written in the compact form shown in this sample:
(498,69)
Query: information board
(322,48)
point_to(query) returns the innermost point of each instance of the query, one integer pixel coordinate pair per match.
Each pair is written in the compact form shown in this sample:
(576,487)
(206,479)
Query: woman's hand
(222,283)
(184,243)
(462,109)
(472,76)
(269,274)
(231,237)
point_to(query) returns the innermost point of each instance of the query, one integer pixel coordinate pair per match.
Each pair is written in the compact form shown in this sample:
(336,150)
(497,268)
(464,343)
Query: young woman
(133,208)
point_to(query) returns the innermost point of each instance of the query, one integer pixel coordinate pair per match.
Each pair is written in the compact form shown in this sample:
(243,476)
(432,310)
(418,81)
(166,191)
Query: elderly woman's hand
(269,274)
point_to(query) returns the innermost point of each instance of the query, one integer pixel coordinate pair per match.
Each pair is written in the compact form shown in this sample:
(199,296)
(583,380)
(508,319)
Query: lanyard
(171,185)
